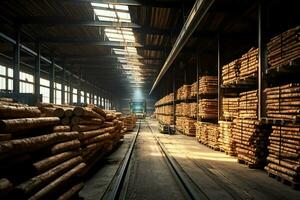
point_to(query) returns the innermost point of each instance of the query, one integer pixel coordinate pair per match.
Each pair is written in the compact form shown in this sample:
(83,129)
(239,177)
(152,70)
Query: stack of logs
(183,109)
(208,109)
(38,157)
(194,89)
(284,153)
(164,110)
(249,66)
(184,92)
(230,107)
(283,102)
(208,85)
(251,140)
(248,104)
(284,48)
(167,99)
(207,134)
(129,122)
(193,110)
(226,138)
(165,119)
(231,72)
(41,158)
(186,126)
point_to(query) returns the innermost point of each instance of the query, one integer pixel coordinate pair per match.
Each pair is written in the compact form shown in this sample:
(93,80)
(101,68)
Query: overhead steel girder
(198,11)
(152,3)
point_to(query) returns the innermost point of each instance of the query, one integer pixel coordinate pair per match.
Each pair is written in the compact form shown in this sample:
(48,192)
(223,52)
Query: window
(74,95)
(67,94)
(26,83)
(88,100)
(6,81)
(45,90)
(57,93)
(95,100)
(81,96)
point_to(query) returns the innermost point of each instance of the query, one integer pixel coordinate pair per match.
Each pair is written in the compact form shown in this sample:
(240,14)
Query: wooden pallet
(293,184)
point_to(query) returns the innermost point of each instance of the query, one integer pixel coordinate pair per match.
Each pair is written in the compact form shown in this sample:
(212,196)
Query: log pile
(38,157)
(283,102)
(284,48)
(248,104)
(226,138)
(249,66)
(284,153)
(167,99)
(207,134)
(183,109)
(41,158)
(164,110)
(230,107)
(165,119)
(231,72)
(129,122)
(186,125)
(193,110)
(208,109)
(208,85)
(184,92)
(251,139)
(194,89)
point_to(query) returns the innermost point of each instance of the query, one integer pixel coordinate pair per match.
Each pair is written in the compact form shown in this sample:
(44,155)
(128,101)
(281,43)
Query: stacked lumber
(208,85)
(167,99)
(284,153)
(186,126)
(208,109)
(249,66)
(283,102)
(284,48)
(226,142)
(165,119)
(231,72)
(207,134)
(183,109)
(129,122)
(230,107)
(38,157)
(251,139)
(248,104)
(193,110)
(164,110)
(184,92)
(194,88)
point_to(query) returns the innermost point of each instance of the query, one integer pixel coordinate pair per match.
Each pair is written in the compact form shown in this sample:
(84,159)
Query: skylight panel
(121,7)
(103,5)
(105,13)
(123,15)
(107,19)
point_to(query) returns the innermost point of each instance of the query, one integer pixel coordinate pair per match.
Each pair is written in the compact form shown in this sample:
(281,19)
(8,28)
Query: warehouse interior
(149,99)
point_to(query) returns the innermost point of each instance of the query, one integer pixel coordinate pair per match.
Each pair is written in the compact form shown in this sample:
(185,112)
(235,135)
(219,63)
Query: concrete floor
(217,174)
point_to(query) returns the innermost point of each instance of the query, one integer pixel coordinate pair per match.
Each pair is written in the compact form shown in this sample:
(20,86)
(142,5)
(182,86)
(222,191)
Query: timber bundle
(165,119)
(208,109)
(208,85)
(249,66)
(231,72)
(193,110)
(226,138)
(207,134)
(248,104)
(284,48)
(183,109)
(243,70)
(164,110)
(167,99)
(194,89)
(251,139)
(284,152)
(184,92)
(230,107)
(129,122)
(186,126)
(40,157)
(283,102)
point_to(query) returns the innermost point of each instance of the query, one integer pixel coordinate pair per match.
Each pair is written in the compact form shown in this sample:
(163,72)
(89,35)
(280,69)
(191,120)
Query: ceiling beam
(152,3)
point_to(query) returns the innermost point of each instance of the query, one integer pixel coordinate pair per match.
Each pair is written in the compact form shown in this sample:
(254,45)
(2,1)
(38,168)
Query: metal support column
(197,107)
(51,79)
(79,88)
(16,62)
(220,94)
(262,58)
(37,72)
(63,83)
